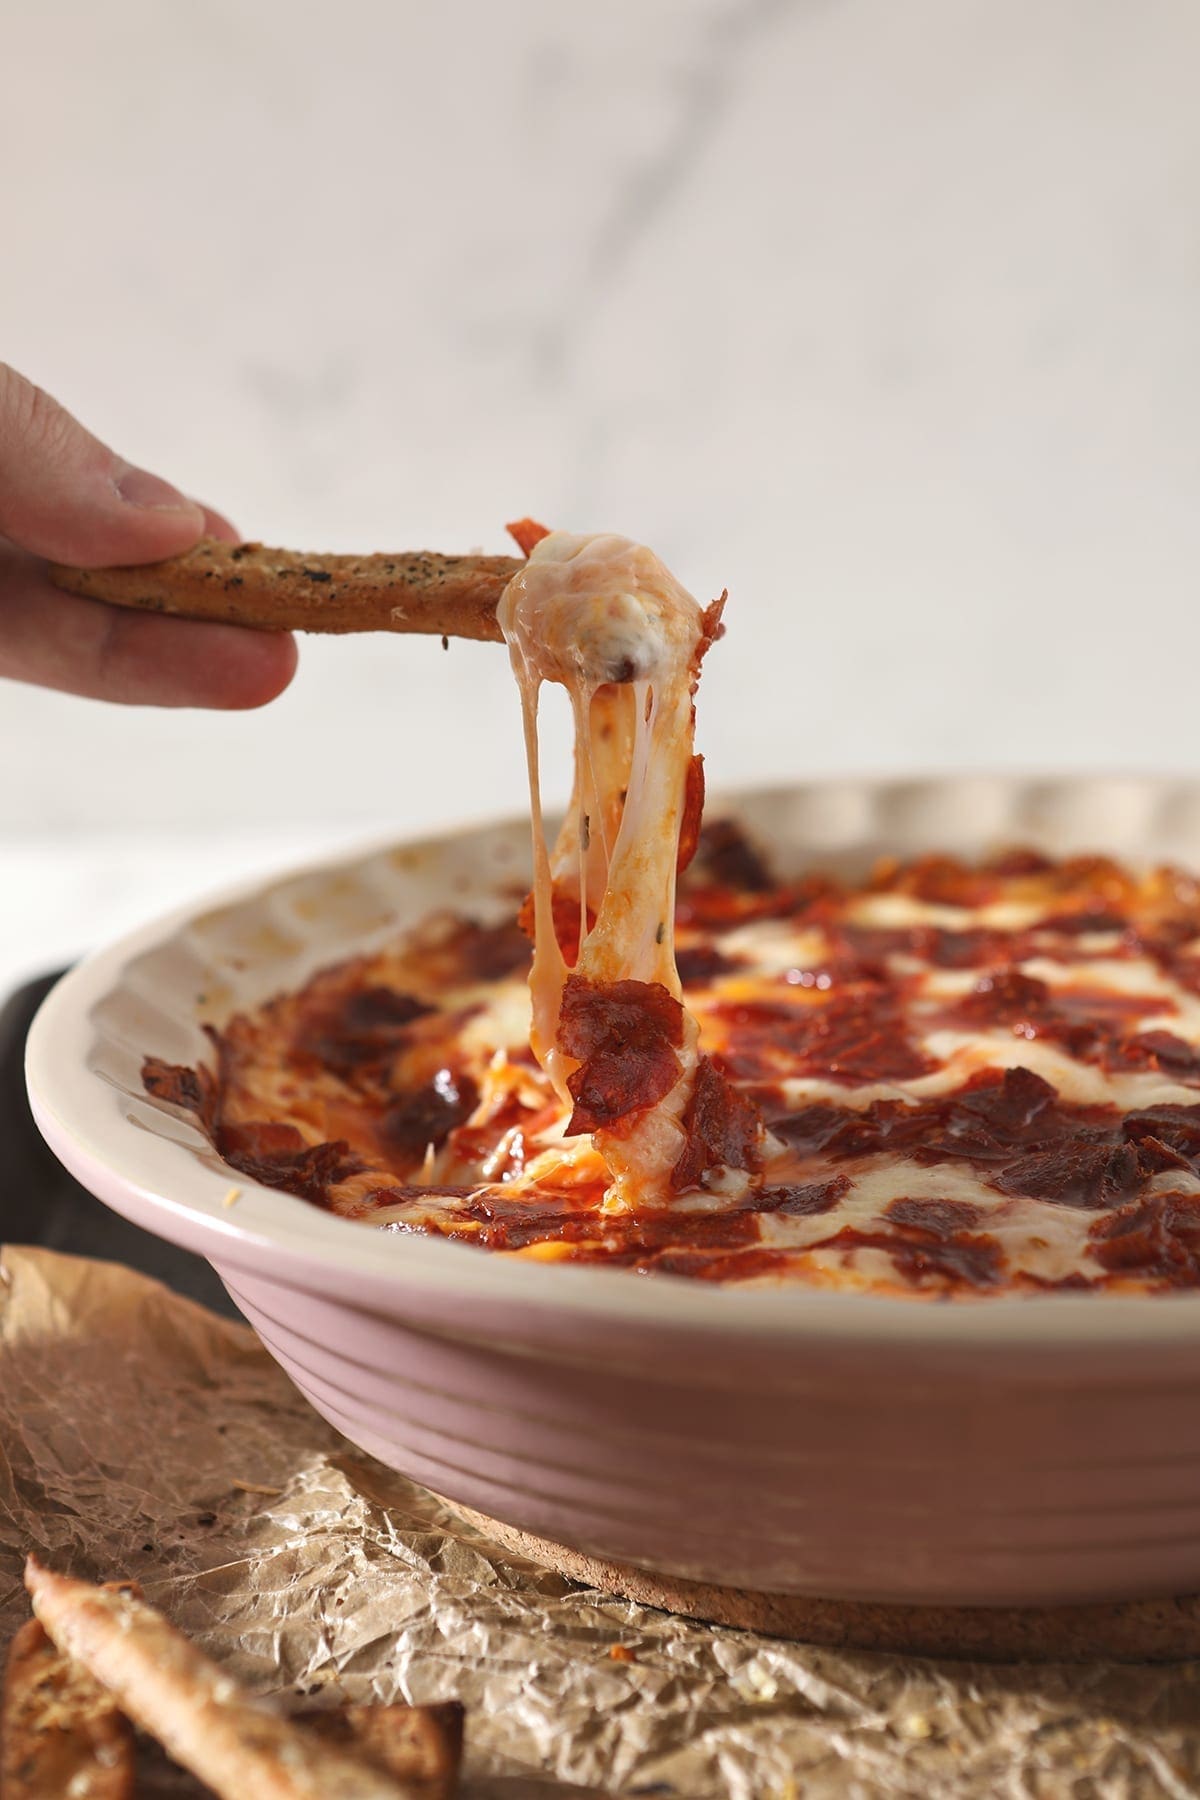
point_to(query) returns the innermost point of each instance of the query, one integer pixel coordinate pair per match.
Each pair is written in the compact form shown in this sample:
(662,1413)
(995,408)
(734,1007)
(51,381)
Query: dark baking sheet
(41,1204)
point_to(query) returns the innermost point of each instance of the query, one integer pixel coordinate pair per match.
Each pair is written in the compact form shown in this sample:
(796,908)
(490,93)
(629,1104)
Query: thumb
(65,496)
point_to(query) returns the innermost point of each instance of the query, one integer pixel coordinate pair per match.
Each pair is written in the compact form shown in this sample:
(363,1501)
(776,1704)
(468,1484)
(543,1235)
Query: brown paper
(141,1435)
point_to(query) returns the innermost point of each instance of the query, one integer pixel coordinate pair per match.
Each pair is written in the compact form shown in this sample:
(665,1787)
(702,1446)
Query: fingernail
(137,487)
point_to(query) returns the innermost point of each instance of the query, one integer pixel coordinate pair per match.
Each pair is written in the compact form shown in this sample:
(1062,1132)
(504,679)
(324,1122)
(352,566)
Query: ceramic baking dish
(1036,1449)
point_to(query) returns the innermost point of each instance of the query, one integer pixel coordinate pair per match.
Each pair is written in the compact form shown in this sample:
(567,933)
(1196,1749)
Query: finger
(216,525)
(58,640)
(67,497)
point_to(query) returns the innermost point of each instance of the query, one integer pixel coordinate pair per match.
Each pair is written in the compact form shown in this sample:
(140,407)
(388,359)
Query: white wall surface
(885,315)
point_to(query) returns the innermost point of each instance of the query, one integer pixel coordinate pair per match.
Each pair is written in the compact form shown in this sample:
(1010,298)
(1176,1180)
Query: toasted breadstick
(60,1732)
(202,1718)
(421,1745)
(284,590)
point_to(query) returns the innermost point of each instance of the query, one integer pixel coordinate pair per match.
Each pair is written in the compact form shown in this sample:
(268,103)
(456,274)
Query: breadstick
(286,590)
(202,1718)
(60,1732)
(419,1744)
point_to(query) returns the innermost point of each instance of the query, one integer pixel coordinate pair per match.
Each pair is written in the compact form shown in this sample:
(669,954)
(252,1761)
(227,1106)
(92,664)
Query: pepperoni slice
(724,1129)
(624,1035)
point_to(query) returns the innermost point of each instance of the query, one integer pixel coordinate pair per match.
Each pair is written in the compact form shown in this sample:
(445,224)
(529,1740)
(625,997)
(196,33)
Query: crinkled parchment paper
(141,1435)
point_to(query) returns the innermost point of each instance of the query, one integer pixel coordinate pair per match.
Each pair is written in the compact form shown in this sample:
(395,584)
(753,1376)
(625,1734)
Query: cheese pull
(603,618)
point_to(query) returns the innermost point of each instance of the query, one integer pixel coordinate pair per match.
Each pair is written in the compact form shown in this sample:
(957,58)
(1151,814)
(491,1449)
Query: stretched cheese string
(604,618)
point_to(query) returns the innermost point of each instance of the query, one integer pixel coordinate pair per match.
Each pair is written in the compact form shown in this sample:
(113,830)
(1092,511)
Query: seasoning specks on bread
(415,591)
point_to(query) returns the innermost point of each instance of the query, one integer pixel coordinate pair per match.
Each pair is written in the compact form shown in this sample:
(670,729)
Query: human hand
(64,497)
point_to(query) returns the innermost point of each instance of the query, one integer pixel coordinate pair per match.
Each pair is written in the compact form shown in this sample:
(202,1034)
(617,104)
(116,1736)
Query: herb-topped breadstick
(287,590)
(60,1732)
(202,1718)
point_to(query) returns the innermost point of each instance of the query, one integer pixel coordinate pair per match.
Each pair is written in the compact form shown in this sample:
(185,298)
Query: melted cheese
(398,1089)
(605,619)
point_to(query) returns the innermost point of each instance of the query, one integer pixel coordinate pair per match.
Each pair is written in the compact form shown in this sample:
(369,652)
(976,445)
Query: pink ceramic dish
(1009,1451)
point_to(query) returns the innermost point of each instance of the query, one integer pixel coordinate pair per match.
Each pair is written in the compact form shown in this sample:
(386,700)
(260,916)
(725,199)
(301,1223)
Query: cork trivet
(1134,1631)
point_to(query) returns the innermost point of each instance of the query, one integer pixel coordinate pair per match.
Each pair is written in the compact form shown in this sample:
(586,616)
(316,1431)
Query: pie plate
(1008,1451)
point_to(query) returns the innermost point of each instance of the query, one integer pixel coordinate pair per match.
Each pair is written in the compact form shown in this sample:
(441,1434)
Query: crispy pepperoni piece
(699,963)
(278,1156)
(624,1036)
(967,1259)
(631,1238)
(941,879)
(1004,997)
(843,1132)
(1018,862)
(939,1216)
(1156,1237)
(489,952)
(1090,1024)
(1076,1173)
(428,1115)
(527,533)
(1163,1050)
(975,1259)
(711,628)
(192,1089)
(564,909)
(1089,919)
(802,1200)
(724,1129)
(367,1025)
(693,810)
(987,1120)
(1012,1127)
(931,944)
(716,1266)
(855,1038)
(1175,1126)
(1000,1107)
(731,860)
(408,1190)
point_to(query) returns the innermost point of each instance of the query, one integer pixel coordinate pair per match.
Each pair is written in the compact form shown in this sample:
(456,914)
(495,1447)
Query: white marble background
(885,313)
